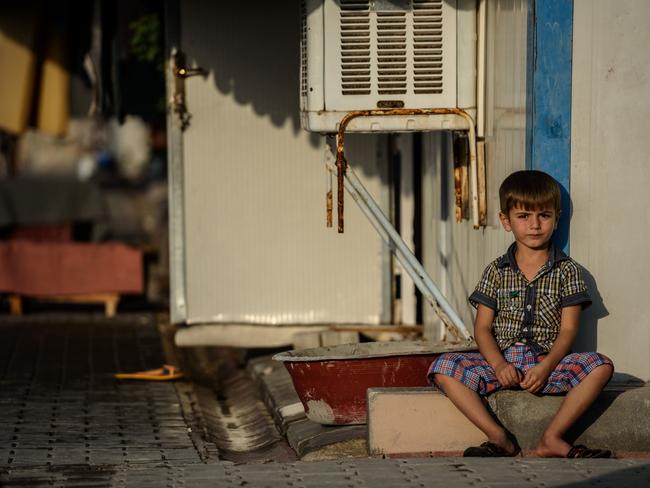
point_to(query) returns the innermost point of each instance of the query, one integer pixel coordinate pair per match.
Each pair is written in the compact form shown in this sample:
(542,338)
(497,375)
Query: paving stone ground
(64,421)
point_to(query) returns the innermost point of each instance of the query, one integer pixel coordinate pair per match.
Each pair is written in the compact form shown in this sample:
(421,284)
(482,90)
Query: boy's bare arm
(536,377)
(505,372)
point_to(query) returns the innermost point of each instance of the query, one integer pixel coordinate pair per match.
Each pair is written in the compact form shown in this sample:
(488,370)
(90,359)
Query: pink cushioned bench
(69,271)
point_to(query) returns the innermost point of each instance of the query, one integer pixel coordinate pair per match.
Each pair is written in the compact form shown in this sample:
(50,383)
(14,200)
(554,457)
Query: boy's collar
(555,255)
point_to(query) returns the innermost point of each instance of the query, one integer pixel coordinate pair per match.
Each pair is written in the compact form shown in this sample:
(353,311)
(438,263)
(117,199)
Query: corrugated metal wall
(610,176)
(455,254)
(256,246)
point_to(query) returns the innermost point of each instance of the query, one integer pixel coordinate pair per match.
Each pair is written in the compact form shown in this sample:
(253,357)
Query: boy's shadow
(587,339)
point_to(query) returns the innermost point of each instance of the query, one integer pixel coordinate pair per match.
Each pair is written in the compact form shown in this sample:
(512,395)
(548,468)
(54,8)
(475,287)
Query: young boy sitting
(528,307)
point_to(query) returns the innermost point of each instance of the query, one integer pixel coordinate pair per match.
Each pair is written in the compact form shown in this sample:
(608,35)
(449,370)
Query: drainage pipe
(480,67)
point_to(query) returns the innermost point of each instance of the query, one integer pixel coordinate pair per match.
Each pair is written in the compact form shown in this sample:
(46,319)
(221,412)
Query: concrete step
(412,421)
(416,421)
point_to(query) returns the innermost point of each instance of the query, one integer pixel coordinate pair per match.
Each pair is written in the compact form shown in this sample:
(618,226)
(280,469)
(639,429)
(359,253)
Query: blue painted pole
(548,98)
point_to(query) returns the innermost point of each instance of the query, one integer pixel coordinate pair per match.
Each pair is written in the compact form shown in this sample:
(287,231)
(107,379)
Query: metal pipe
(341,166)
(473,168)
(480,67)
(341,163)
(406,258)
(328,195)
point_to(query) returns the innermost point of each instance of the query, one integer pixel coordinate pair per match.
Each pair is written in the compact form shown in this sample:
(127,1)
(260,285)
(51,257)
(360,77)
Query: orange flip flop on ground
(166,373)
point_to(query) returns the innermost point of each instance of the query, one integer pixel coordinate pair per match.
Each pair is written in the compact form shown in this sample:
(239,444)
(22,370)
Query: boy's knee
(604,370)
(442,380)
(609,367)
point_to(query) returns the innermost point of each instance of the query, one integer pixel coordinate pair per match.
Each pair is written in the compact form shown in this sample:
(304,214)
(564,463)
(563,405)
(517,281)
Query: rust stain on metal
(461,176)
(341,162)
(482,183)
(457,194)
(458,178)
(341,166)
(329,205)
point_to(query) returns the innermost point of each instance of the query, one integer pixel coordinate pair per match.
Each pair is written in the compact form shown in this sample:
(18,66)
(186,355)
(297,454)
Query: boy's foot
(552,446)
(488,449)
(559,448)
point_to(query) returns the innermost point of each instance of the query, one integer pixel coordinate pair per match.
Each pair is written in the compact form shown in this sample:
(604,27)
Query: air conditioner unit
(383,54)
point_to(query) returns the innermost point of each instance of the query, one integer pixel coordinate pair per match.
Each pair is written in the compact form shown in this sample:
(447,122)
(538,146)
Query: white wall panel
(455,254)
(257,249)
(610,176)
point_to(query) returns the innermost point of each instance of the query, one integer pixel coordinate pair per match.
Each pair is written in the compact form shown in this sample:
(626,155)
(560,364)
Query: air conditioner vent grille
(427,46)
(303,49)
(355,47)
(391,53)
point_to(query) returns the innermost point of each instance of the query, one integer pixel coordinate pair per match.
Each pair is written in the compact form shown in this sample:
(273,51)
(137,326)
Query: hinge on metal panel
(180,71)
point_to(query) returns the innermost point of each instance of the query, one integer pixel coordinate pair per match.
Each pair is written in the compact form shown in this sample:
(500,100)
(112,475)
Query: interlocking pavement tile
(30,457)
(68,455)
(106,456)
(143,455)
(4,457)
(217,472)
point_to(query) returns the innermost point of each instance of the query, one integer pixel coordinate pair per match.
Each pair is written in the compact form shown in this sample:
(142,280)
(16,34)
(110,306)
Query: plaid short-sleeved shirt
(530,312)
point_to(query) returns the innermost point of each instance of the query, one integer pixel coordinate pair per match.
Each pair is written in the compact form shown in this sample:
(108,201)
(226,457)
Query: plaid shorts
(472,370)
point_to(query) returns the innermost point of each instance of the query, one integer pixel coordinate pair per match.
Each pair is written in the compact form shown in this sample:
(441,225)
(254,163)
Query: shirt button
(528,307)
(525,329)
(530,285)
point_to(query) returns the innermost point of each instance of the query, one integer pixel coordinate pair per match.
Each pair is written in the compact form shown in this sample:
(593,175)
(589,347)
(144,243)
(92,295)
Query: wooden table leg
(16,305)
(110,305)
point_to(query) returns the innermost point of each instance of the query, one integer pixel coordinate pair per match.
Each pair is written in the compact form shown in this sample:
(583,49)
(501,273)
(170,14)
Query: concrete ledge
(405,421)
(618,420)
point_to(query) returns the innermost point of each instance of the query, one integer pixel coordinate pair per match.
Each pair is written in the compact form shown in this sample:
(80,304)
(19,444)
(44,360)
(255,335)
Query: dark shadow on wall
(587,339)
(561,234)
(253,51)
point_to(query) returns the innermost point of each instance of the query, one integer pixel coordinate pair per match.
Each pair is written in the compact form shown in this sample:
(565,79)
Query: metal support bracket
(342,165)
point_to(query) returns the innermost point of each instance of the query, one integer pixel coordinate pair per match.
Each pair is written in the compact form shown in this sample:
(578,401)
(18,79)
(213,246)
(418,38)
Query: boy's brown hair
(531,189)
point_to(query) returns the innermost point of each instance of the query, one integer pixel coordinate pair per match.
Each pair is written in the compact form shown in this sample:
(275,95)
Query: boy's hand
(535,378)
(508,375)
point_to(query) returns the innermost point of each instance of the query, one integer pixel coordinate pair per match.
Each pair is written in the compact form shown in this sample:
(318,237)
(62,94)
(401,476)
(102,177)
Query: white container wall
(610,176)
(256,249)
(455,254)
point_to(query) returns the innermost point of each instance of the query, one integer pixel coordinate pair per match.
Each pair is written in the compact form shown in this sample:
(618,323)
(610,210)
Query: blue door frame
(548,98)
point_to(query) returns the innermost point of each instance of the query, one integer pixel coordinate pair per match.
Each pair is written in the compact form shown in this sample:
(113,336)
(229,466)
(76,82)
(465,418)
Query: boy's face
(531,228)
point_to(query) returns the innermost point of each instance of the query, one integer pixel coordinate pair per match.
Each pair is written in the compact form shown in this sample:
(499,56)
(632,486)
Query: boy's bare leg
(574,405)
(470,404)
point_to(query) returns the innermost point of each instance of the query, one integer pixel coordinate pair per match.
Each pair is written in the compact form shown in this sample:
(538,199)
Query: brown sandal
(488,449)
(581,451)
